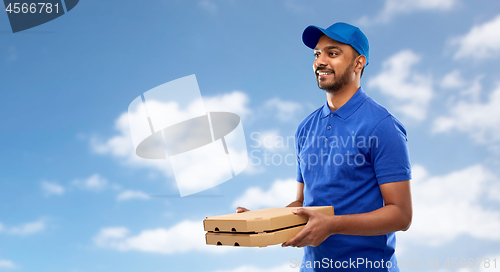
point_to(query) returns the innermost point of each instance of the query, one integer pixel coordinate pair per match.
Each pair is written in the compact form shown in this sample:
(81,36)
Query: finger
(241,209)
(295,240)
(302,211)
(304,239)
(303,243)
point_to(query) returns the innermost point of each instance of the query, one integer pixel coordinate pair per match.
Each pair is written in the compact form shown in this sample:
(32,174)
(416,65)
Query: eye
(333,53)
(316,55)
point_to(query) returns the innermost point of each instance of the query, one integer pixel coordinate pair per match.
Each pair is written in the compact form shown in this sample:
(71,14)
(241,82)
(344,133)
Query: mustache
(323,69)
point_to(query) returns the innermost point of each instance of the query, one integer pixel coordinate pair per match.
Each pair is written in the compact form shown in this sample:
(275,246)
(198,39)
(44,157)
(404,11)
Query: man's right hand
(241,209)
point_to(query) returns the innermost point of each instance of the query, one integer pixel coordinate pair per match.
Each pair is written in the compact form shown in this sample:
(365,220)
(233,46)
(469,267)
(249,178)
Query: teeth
(323,73)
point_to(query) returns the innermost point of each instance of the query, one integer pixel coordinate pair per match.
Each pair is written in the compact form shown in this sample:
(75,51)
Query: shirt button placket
(328,131)
(330,122)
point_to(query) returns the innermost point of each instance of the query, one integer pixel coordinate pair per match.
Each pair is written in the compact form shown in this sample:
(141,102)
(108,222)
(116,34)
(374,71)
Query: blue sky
(74,198)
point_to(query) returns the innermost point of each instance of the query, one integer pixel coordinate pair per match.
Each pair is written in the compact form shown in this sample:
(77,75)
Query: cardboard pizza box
(257,228)
(263,239)
(260,220)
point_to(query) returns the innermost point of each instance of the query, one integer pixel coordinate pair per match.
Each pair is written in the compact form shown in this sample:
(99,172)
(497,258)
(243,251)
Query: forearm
(299,199)
(295,203)
(389,218)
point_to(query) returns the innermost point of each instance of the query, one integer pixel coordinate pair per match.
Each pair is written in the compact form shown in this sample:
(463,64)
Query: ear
(359,63)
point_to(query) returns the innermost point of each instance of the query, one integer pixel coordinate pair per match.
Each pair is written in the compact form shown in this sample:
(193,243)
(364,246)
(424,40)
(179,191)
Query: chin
(329,88)
(324,86)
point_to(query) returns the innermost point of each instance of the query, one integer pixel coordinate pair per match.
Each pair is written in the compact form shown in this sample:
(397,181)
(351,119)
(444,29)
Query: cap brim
(312,33)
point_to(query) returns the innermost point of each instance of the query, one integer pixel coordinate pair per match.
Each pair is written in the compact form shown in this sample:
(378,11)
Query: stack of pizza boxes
(257,228)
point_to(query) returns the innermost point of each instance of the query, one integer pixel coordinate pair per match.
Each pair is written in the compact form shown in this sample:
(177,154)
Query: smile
(323,72)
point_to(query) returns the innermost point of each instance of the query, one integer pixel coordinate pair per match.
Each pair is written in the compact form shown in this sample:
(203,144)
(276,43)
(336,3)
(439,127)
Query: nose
(319,61)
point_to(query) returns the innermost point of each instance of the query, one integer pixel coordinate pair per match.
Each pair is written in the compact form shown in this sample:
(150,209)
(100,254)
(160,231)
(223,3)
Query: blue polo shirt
(343,156)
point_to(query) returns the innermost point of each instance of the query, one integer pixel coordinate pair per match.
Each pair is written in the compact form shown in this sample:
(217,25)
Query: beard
(337,84)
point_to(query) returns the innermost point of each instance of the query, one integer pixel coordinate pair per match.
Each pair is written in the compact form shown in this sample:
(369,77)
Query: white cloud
(392,7)
(453,80)
(7,264)
(397,7)
(27,229)
(120,146)
(248,268)
(235,102)
(285,110)
(479,120)
(473,92)
(130,194)
(106,235)
(482,41)
(208,5)
(51,188)
(461,89)
(410,90)
(92,183)
(186,236)
(448,206)
(280,194)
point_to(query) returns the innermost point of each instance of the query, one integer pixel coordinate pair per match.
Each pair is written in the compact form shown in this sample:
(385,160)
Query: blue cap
(341,32)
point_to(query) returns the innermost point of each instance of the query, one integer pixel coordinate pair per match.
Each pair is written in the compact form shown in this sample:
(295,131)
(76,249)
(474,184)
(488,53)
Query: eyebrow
(329,48)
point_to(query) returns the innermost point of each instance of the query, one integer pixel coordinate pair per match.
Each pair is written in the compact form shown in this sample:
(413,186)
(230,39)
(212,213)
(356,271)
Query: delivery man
(351,154)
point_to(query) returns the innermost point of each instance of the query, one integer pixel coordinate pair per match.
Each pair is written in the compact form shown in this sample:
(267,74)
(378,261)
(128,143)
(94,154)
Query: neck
(340,97)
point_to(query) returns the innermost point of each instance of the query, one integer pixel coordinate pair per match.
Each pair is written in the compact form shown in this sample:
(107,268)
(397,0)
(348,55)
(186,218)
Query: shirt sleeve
(389,151)
(297,153)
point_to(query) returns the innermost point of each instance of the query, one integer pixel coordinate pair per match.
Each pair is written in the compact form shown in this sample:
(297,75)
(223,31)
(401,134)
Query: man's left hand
(317,229)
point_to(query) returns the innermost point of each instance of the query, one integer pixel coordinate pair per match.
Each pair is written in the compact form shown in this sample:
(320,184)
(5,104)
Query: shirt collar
(348,108)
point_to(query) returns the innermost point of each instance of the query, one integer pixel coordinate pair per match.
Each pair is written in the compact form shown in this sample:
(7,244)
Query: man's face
(333,64)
